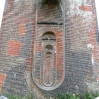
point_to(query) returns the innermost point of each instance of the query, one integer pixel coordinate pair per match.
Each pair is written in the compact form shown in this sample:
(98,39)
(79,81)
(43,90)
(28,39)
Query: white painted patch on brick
(74,9)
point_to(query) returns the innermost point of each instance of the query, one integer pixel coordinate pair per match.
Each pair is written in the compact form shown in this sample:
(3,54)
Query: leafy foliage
(13,97)
(18,97)
(86,95)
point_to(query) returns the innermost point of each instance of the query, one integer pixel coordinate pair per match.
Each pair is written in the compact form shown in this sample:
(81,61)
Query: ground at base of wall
(93,86)
(86,95)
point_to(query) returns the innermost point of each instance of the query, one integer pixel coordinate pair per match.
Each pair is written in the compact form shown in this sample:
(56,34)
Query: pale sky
(97,11)
(2,3)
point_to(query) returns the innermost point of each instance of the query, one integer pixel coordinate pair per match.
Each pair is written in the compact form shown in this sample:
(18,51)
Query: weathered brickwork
(2,78)
(47,49)
(13,47)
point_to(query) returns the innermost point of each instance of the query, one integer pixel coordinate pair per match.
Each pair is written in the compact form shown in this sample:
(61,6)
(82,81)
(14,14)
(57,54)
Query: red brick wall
(2,78)
(77,46)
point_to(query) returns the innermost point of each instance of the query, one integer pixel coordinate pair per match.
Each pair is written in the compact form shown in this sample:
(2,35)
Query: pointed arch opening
(48,68)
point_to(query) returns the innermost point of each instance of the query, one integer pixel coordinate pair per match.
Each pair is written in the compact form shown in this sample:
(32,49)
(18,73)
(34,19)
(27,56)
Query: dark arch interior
(49,47)
(49,36)
(49,32)
(48,57)
(49,11)
(48,53)
(47,2)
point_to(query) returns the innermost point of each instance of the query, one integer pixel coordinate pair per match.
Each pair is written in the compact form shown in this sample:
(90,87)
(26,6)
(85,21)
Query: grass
(86,95)
(18,97)
(13,97)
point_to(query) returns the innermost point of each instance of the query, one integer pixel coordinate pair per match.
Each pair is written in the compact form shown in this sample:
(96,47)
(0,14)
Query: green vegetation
(78,96)
(18,97)
(62,96)
(13,97)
